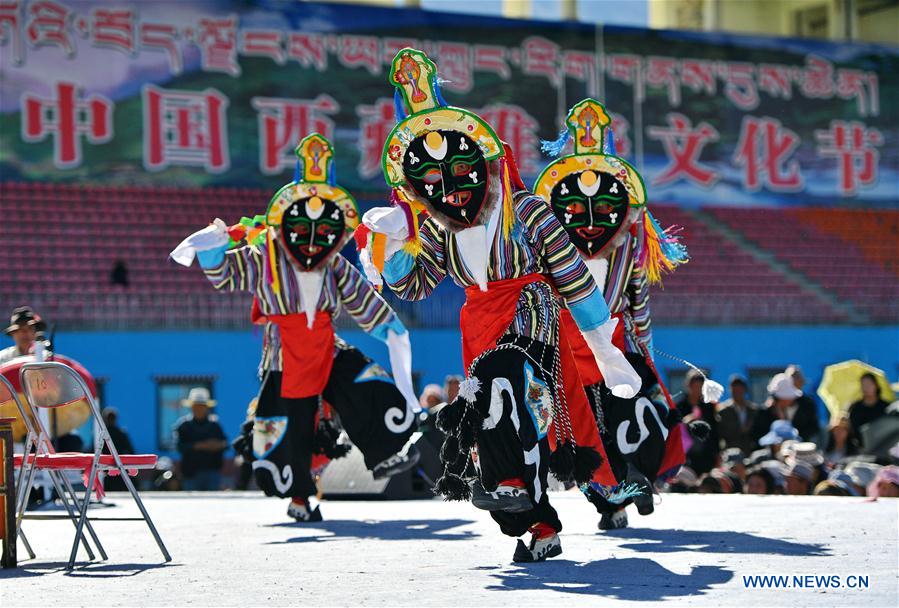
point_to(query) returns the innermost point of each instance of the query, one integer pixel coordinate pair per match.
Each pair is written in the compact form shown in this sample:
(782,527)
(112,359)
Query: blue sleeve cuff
(380,331)
(591,312)
(398,266)
(212,258)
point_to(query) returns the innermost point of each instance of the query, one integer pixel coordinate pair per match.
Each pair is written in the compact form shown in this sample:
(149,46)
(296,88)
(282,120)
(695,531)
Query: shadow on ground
(704,541)
(82,570)
(633,579)
(404,529)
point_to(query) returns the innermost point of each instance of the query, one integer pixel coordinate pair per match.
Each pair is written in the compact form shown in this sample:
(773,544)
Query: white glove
(618,374)
(213,236)
(391,222)
(401,364)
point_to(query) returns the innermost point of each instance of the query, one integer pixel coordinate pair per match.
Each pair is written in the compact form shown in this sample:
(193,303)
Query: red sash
(583,356)
(307,354)
(484,318)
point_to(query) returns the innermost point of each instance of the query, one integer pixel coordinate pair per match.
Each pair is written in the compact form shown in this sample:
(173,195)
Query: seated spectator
(758,457)
(885,483)
(862,474)
(736,416)
(808,452)
(782,405)
(684,482)
(841,443)
(24,327)
(119,274)
(831,488)
(840,479)
(778,471)
(867,409)
(732,462)
(431,397)
(451,387)
(708,484)
(728,481)
(122,443)
(702,456)
(800,478)
(779,432)
(759,480)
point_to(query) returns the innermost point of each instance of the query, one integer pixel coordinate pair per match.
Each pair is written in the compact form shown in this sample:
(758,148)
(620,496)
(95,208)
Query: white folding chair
(51,385)
(37,441)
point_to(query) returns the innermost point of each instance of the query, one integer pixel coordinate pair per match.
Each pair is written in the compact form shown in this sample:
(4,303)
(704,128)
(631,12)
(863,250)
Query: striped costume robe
(525,381)
(304,362)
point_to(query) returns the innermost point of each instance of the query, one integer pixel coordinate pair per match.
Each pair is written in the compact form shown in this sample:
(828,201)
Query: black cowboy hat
(24,316)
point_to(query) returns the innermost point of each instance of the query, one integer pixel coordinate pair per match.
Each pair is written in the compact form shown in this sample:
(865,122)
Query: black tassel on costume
(243,444)
(449,452)
(561,462)
(452,487)
(468,428)
(586,461)
(449,416)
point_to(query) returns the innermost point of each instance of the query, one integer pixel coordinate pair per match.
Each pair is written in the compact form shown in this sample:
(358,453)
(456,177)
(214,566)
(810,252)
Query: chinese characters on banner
(191,128)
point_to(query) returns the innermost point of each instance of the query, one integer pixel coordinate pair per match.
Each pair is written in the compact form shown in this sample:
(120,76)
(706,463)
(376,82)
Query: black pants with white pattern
(370,408)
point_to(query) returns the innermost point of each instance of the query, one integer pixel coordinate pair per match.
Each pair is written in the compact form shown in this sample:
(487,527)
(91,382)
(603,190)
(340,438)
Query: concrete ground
(234,549)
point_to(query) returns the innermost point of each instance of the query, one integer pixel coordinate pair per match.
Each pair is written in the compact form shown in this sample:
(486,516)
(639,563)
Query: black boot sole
(523,554)
(414,457)
(644,501)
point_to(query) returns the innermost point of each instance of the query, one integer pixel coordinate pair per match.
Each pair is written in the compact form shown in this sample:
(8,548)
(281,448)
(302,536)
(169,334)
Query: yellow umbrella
(841,385)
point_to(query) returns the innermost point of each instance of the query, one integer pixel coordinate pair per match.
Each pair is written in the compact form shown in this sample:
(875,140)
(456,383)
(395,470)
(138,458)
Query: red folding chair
(51,385)
(37,441)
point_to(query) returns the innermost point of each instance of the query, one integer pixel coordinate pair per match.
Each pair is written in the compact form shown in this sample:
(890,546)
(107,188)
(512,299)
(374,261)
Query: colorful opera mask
(312,218)
(592,207)
(449,171)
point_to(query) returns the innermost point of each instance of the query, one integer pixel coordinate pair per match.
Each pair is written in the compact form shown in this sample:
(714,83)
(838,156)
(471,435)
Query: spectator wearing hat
(684,482)
(779,432)
(732,462)
(702,456)
(431,397)
(800,478)
(885,483)
(201,442)
(862,474)
(867,409)
(830,488)
(24,327)
(840,480)
(808,452)
(736,417)
(783,405)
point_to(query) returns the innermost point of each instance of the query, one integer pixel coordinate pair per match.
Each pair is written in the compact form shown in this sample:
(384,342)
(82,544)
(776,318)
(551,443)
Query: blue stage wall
(130,360)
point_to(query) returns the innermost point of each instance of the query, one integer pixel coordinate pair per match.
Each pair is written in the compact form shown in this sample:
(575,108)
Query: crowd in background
(781,445)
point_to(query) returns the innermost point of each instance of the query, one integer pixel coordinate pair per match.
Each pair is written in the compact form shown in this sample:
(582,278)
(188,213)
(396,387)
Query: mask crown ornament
(596,196)
(311,218)
(439,152)
(599,198)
